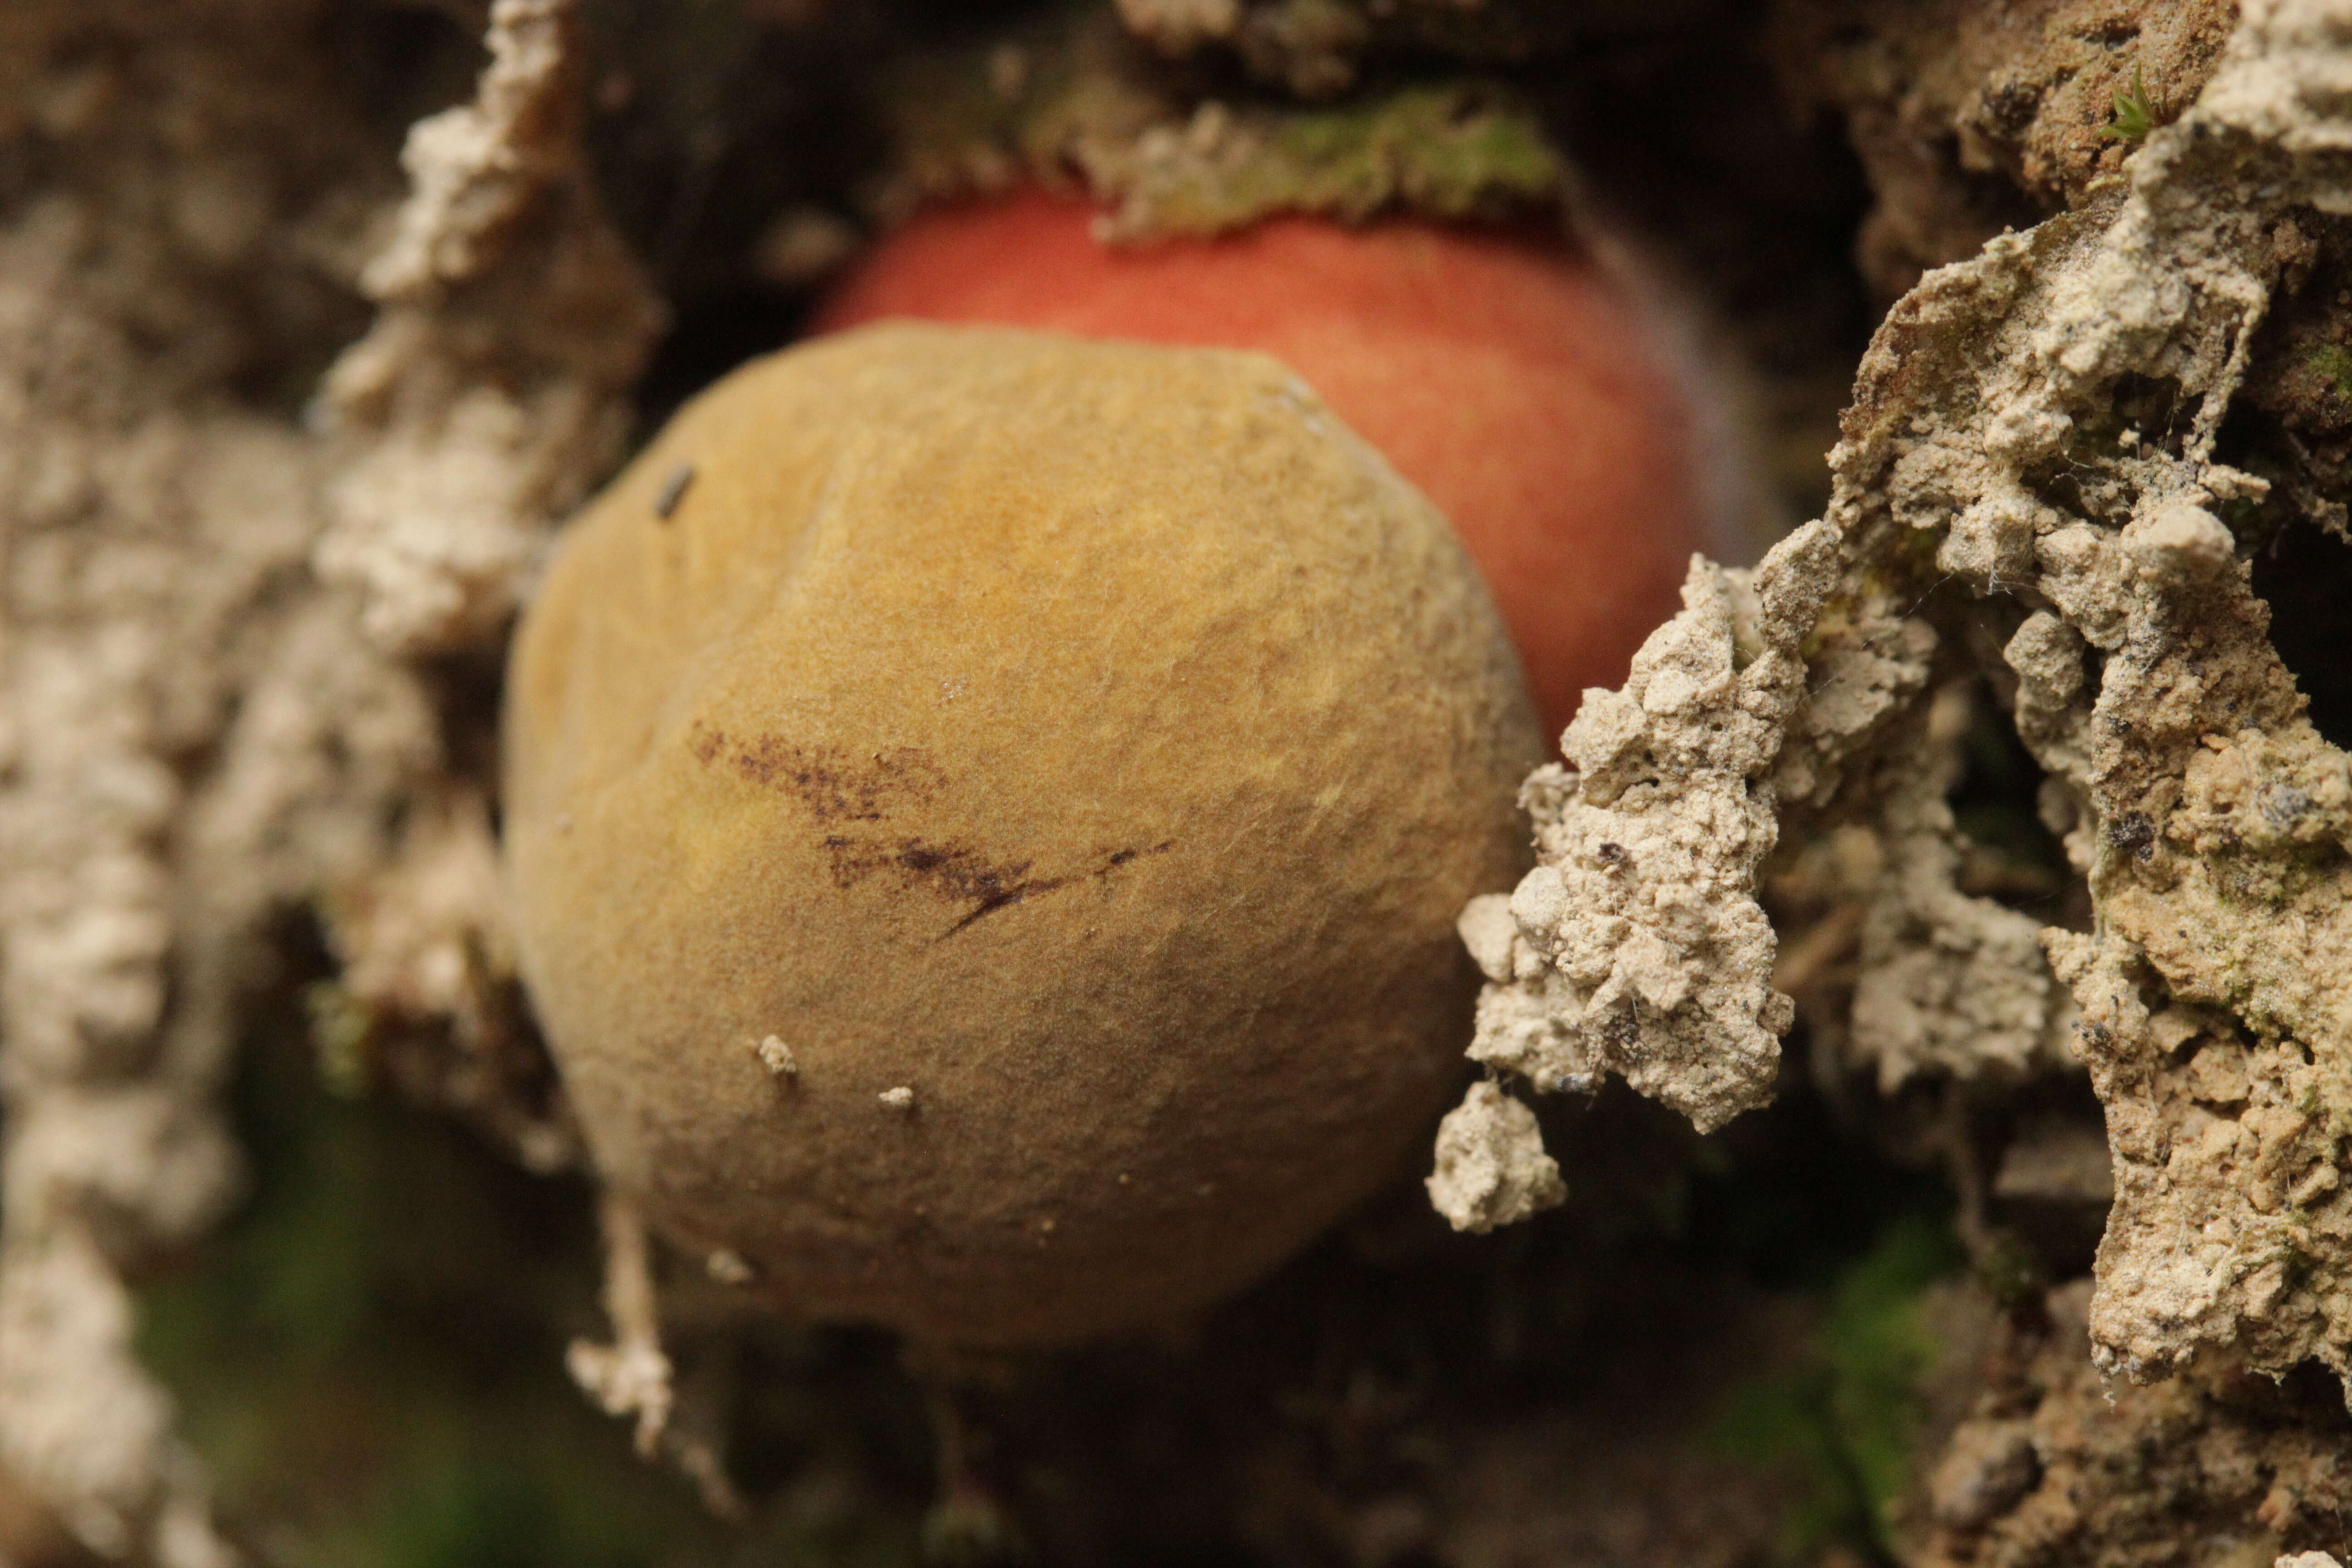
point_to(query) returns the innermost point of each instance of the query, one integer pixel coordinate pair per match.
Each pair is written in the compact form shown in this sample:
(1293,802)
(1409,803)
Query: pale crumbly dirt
(1973,117)
(2009,508)
(2048,1463)
(1989,514)
(216,603)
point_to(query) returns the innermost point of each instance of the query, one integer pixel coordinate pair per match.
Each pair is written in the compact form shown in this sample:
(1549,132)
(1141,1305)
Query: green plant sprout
(2134,117)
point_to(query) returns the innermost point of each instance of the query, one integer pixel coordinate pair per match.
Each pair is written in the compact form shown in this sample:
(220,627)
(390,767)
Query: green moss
(1072,95)
(2333,362)
(1458,150)
(341,1027)
(2011,1273)
(1845,1422)
(365,1358)
(369,1360)
(2298,1264)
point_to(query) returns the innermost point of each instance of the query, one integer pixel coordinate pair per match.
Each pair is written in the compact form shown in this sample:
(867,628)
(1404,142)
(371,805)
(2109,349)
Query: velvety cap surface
(1094,741)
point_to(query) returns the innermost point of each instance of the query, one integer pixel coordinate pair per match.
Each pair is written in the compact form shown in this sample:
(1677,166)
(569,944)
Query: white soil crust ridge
(212,607)
(1989,518)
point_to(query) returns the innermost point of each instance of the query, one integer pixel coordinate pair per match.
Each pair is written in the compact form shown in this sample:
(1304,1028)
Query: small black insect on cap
(672,490)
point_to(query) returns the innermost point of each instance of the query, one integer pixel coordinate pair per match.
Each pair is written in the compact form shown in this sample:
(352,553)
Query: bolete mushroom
(1524,387)
(986,813)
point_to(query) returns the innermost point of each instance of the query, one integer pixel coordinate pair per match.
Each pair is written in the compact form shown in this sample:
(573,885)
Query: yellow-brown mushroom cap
(1095,741)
